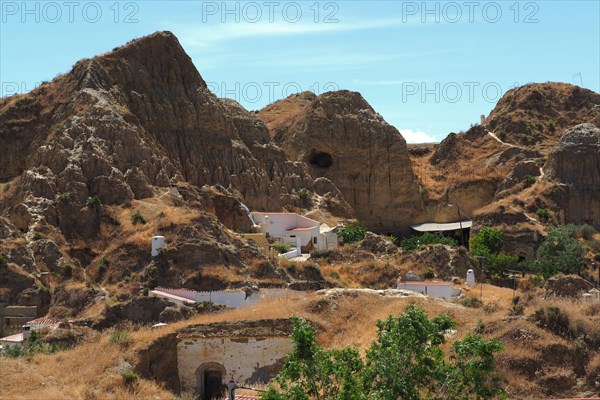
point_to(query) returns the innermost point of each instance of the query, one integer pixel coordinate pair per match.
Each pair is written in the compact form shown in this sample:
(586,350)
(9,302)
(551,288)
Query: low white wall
(229,298)
(430,290)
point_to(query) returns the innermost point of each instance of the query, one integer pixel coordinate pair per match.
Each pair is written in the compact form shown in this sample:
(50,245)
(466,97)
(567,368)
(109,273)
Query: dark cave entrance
(321,160)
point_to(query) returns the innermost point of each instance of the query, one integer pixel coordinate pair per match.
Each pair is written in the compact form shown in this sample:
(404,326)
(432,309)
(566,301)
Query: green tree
(560,252)
(485,242)
(406,361)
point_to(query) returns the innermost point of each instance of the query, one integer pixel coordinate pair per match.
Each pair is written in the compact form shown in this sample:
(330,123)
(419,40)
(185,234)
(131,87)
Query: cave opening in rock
(321,160)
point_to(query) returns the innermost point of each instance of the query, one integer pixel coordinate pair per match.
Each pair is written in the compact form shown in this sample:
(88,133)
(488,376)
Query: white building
(443,290)
(295,229)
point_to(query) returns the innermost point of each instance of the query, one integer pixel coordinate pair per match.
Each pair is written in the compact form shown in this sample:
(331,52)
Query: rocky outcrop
(340,137)
(447,262)
(377,244)
(140,310)
(575,164)
(537,113)
(520,171)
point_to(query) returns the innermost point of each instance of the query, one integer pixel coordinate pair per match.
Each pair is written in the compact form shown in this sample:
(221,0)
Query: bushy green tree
(352,233)
(485,242)
(487,245)
(406,361)
(560,252)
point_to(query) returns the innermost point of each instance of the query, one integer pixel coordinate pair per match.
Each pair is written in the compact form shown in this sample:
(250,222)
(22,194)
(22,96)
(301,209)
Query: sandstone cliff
(340,137)
(575,164)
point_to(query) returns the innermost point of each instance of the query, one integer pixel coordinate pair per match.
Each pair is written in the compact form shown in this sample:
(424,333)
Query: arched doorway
(210,381)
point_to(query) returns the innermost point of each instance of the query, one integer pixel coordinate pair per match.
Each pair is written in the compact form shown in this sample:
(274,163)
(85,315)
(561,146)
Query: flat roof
(301,229)
(171,296)
(424,283)
(16,338)
(439,227)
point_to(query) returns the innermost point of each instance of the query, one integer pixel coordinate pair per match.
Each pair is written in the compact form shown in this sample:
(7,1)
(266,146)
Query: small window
(315,240)
(292,236)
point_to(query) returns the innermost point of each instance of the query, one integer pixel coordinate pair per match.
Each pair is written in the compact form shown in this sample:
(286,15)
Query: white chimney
(26,331)
(470,278)
(157,243)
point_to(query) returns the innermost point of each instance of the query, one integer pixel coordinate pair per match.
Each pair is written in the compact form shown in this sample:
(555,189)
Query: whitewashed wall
(242,357)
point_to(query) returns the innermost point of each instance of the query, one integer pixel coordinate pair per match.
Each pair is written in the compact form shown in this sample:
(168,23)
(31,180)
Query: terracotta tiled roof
(45,321)
(244,397)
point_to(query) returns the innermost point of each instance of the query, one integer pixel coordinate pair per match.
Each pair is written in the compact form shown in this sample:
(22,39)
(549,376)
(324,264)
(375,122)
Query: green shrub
(281,247)
(93,201)
(543,213)
(304,194)
(428,238)
(392,239)
(472,302)
(354,232)
(529,180)
(552,125)
(63,196)
(66,270)
(291,267)
(121,337)
(517,309)
(103,266)
(429,274)
(5,186)
(130,377)
(581,231)
(137,218)
(3,260)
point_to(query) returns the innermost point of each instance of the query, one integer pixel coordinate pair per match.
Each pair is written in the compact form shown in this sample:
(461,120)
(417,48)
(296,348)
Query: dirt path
(492,134)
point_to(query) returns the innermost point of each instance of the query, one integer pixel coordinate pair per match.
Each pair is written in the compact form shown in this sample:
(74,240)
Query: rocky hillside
(340,137)
(537,113)
(133,131)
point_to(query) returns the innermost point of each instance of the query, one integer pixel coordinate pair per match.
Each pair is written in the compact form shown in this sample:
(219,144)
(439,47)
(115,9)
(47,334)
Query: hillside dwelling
(459,230)
(22,337)
(444,290)
(201,359)
(12,318)
(296,229)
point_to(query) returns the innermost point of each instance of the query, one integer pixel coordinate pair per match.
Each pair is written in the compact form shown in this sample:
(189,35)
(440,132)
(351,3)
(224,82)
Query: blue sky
(429,68)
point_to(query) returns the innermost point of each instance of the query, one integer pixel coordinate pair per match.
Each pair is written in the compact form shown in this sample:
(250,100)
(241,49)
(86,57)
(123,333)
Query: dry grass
(473,165)
(336,317)
(90,371)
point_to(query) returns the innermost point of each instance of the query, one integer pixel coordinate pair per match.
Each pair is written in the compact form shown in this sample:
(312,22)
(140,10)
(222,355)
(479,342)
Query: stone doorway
(210,381)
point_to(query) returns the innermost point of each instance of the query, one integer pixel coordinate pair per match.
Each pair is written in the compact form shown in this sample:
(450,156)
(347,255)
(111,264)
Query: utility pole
(462,233)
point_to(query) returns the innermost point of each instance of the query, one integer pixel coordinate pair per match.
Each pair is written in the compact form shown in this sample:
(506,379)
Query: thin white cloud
(417,136)
(209,35)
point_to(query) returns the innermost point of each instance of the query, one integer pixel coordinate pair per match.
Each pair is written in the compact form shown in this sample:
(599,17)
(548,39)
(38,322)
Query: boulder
(377,244)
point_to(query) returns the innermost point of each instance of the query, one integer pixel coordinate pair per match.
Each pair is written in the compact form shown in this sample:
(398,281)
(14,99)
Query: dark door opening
(213,385)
